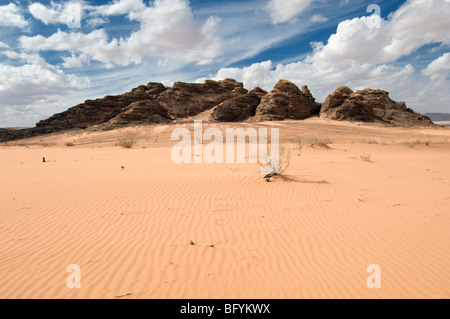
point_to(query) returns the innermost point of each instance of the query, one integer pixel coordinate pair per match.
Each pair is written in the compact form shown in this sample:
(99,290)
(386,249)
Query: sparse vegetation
(366,157)
(275,164)
(413,144)
(127,141)
(314,142)
(70,144)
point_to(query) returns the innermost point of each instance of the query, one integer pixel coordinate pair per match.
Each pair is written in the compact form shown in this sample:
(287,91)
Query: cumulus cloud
(95,22)
(413,25)
(439,68)
(403,83)
(3,45)
(75,61)
(70,13)
(119,7)
(321,79)
(359,56)
(26,88)
(94,44)
(10,16)
(167,29)
(285,10)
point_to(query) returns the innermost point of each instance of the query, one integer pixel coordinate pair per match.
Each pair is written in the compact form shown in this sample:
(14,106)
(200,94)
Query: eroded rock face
(142,112)
(286,101)
(370,105)
(155,103)
(94,112)
(237,109)
(190,99)
(336,98)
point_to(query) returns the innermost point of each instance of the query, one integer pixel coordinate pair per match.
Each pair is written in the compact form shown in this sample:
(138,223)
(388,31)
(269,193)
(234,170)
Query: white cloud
(3,45)
(403,83)
(119,7)
(319,18)
(94,44)
(28,91)
(321,79)
(167,29)
(439,68)
(285,10)
(414,24)
(70,12)
(74,61)
(96,22)
(359,57)
(10,16)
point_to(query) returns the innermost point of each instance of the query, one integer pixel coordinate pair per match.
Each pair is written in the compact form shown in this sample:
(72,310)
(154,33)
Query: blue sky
(56,54)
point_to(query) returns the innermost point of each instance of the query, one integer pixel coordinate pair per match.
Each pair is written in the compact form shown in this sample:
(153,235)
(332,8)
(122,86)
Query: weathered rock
(258,91)
(155,103)
(237,109)
(370,105)
(336,98)
(190,99)
(142,112)
(153,89)
(286,101)
(94,112)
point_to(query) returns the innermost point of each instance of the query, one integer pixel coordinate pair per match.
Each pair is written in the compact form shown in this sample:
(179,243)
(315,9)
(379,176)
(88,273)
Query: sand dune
(127,216)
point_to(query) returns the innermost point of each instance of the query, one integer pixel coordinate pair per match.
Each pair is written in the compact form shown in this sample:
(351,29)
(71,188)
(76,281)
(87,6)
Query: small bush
(127,142)
(316,142)
(70,144)
(366,158)
(276,164)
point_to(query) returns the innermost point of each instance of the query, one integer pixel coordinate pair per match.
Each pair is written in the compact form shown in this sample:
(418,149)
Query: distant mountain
(439,117)
(229,101)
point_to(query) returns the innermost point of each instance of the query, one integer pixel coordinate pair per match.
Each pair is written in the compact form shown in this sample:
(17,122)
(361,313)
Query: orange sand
(129,228)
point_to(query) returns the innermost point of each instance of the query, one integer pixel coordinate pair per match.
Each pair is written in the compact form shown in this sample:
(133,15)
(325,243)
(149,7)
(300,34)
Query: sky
(56,54)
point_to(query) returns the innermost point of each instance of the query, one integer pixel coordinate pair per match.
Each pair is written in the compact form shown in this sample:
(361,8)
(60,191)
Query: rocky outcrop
(286,101)
(370,105)
(230,101)
(190,99)
(258,91)
(237,109)
(94,112)
(142,112)
(336,98)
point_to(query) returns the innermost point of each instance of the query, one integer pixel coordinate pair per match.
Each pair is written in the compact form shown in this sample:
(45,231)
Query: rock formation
(190,99)
(237,109)
(230,101)
(370,105)
(94,112)
(286,101)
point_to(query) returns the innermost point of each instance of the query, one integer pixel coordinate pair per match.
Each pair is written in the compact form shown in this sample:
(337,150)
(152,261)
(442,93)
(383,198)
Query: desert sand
(126,216)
